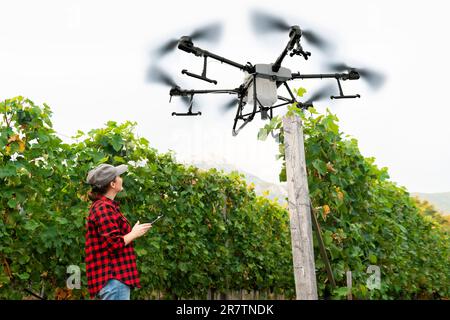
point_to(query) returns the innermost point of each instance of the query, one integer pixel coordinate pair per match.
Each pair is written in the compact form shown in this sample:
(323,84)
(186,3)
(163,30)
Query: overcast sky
(88,60)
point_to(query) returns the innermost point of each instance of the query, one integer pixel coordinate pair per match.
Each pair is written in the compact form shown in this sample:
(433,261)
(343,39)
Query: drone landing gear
(189,113)
(239,116)
(202,76)
(266,112)
(341,93)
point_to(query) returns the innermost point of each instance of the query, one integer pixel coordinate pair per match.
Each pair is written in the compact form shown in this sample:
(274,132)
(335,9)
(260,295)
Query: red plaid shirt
(107,257)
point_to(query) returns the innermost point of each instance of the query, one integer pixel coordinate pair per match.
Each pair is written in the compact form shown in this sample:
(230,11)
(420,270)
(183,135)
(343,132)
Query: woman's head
(105,180)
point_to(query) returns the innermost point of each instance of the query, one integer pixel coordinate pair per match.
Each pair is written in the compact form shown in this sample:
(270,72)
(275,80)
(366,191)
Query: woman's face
(116,185)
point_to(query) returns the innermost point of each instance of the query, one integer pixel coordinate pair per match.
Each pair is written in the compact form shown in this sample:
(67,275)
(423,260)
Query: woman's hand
(141,229)
(138,231)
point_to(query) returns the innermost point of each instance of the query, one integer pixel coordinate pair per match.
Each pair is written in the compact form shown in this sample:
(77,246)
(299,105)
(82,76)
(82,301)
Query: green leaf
(7,171)
(141,252)
(31,225)
(320,166)
(292,109)
(282,175)
(384,174)
(23,276)
(262,134)
(301,91)
(23,259)
(330,125)
(119,159)
(103,160)
(117,142)
(312,110)
(327,238)
(43,137)
(4,279)
(183,266)
(373,258)
(341,292)
(12,203)
(62,220)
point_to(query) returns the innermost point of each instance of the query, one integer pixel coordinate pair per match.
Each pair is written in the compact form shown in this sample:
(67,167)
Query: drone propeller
(230,105)
(374,78)
(208,33)
(158,76)
(263,22)
(321,94)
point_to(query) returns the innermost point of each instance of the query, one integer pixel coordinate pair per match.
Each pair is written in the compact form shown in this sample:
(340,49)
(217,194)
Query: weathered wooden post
(299,210)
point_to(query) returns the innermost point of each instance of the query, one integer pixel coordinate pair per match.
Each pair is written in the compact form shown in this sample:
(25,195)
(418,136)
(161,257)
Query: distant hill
(441,201)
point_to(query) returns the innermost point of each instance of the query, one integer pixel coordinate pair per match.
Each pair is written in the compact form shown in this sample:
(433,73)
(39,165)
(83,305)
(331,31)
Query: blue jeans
(114,290)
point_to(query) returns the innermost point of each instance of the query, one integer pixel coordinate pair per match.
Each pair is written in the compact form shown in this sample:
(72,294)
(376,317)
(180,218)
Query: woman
(110,258)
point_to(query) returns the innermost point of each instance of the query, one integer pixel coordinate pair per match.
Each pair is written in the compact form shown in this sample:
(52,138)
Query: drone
(260,88)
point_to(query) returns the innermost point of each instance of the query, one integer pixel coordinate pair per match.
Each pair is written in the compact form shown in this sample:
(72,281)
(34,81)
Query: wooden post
(299,210)
(349,285)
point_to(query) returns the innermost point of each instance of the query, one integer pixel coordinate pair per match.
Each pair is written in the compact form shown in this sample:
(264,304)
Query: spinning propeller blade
(230,105)
(323,93)
(375,79)
(166,48)
(209,33)
(263,22)
(156,75)
(315,40)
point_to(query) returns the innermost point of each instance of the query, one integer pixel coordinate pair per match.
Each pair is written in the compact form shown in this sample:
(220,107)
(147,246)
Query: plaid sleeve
(108,227)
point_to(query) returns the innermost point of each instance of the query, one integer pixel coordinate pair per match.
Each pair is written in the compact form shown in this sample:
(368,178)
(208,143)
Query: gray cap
(104,174)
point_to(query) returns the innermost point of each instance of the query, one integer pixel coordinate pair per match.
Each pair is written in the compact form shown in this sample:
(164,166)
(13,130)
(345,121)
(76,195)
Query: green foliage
(366,219)
(216,232)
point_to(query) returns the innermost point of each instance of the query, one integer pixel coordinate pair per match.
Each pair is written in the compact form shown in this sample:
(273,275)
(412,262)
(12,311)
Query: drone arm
(276,66)
(295,38)
(284,99)
(227,61)
(353,75)
(187,46)
(180,92)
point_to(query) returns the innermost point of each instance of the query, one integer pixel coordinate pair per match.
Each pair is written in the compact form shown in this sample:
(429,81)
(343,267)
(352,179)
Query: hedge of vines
(217,234)
(367,219)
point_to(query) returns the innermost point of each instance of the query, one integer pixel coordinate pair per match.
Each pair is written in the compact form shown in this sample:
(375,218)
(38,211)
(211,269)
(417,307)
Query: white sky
(88,60)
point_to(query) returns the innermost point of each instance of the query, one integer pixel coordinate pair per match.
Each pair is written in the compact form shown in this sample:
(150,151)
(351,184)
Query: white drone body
(266,84)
